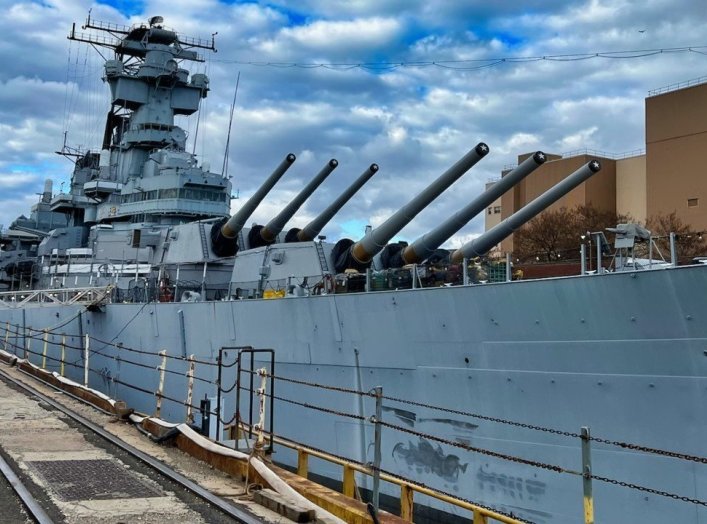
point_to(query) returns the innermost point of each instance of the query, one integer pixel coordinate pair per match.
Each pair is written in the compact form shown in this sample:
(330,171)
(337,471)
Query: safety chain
(312,406)
(618,443)
(570,434)
(490,453)
(39,334)
(649,490)
(157,394)
(340,389)
(655,451)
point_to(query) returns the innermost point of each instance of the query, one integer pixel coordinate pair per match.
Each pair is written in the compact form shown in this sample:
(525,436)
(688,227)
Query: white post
(509,275)
(673,251)
(28,341)
(44,350)
(86,353)
(600,268)
(261,410)
(465,271)
(190,389)
(162,367)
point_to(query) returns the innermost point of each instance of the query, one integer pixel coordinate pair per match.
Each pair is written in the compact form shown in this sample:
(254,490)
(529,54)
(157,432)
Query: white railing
(60,296)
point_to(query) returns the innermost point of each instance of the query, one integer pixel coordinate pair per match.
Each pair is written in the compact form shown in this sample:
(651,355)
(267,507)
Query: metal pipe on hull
(224,232)
(348,254)
(265,235)
(424,246)
(311,230)
(481,245)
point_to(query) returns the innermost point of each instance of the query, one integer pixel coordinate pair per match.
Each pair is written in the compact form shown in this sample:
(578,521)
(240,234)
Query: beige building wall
(493,218)
(671,176)
(631,187)
(599,190)
(676,142)
(493,212)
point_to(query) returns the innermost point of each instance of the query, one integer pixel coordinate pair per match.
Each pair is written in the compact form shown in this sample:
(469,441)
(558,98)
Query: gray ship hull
(622,353)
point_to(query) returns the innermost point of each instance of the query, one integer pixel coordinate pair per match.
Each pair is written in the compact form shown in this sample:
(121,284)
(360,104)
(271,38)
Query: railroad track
(74,476)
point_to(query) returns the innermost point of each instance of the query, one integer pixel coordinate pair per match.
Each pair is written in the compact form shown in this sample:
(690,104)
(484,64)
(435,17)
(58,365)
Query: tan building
(667,178)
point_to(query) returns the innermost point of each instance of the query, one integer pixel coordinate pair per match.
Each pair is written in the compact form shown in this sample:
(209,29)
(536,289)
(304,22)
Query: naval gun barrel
(311,230)
(483,244)
(350,255)
(266,235)
(224,232)
(423,247)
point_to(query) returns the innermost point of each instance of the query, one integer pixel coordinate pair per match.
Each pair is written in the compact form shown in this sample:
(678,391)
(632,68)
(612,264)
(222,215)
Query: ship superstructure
(124,198)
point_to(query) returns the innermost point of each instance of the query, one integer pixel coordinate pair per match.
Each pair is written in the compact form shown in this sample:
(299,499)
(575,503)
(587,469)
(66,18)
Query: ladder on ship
(204,241)
(322,257)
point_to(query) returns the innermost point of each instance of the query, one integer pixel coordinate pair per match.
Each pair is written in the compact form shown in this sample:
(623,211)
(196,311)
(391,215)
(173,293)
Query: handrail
(480,514)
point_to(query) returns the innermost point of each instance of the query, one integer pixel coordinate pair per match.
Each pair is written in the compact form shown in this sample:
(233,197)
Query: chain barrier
(649,490)
(312,406)
(482,451)
(339,389)
(655,451)
(553,431)
(39,335)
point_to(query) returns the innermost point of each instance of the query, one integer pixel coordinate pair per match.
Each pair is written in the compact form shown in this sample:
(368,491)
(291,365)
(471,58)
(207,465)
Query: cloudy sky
(410,85)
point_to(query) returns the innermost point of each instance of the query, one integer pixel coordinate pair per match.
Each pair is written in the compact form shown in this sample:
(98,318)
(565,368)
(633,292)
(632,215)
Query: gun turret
(483,244)
(395,255)
(266,235)
(349,255)
(311,230)
(224,233)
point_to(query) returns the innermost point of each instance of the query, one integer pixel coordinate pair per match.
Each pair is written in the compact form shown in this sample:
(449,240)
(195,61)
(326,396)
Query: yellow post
(63,349)
(587,476)
(302,463)
(479,518)
(349,482)
(44,351)
(406,502)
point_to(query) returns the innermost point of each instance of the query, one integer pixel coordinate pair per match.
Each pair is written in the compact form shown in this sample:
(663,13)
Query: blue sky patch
(126,7)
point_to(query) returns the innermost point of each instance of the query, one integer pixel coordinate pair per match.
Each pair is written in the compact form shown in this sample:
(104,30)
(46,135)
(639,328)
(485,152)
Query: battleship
(486,384)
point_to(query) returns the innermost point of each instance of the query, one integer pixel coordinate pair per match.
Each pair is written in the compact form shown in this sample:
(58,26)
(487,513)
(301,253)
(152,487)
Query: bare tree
(689,243)
(554,235)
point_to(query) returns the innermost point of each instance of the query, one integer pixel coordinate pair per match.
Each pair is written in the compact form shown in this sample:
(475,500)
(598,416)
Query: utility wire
(470,64)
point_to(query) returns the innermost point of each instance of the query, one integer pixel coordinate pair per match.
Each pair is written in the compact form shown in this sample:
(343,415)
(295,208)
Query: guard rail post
(378,392)
(190,388)
(160,388)
(28,342)
(44,350)
(587,477)
(86,353)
